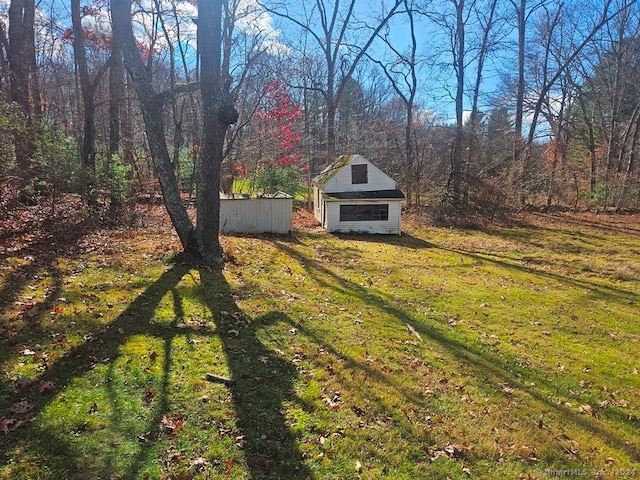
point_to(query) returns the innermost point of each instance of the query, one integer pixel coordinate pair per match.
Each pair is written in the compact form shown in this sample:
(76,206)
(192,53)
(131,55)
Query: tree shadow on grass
(480,363)
(405,240)
(262,381)
(38,264)
(101,348)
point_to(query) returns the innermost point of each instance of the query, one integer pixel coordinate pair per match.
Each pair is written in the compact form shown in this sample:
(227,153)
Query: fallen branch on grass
(212,377)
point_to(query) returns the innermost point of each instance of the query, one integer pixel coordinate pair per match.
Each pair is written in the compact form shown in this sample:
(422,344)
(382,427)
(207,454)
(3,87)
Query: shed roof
(371,194)
(332,170)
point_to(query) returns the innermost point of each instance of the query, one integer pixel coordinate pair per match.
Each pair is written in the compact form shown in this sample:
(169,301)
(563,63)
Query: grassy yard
(511,352)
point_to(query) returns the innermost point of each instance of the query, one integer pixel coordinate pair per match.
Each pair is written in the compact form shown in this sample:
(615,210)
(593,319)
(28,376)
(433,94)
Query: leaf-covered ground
(507,352)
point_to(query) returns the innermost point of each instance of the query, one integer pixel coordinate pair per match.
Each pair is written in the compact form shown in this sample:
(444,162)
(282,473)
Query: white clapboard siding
(256,215)
(376,179)
(390,226)
(334,187)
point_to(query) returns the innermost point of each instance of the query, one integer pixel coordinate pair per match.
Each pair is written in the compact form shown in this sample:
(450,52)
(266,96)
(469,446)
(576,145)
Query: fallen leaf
(586,409)
(148,437)
(507,388)
(21,407)
(148,395)
(358,466)
(457,449)
(153,355)
(23,385)
(173,424)
(90,337)
(333,403)
(9,425)
(46,386)
(360,412)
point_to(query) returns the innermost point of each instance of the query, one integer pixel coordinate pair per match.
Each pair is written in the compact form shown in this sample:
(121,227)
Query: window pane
(363,213)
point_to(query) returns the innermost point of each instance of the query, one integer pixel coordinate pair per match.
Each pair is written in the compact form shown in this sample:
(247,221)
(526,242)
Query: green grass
(502,353)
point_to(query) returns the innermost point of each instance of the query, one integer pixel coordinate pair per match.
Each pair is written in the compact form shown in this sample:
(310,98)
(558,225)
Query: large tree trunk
(218,114)
(152,109)
(21,56)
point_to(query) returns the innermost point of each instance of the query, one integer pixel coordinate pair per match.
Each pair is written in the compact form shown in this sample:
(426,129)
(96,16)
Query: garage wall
(256,215)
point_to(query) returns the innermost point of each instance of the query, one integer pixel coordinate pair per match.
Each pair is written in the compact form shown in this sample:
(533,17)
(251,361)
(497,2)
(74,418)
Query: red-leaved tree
(279,124)
(280,163)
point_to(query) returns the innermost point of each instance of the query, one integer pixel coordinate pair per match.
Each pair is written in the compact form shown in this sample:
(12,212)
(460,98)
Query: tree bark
(21,56)
(218,113)
(152,109)
(88,149)
(455,186)
(518,140)
(116,89)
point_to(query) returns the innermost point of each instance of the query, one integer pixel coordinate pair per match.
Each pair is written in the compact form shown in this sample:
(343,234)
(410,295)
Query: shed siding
(256,215)
(390,226)
(377,179)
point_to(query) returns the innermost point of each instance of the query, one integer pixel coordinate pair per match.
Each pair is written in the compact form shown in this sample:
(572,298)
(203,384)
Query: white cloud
(254,21)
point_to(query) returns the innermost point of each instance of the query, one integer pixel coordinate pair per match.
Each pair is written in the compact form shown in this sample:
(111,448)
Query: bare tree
(471,27)
(605,14)
(343,40)
(402,73)
(216,24)
(152,104)
(88,87)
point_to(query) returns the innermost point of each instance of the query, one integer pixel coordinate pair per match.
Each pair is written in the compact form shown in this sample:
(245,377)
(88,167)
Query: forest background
(475,107)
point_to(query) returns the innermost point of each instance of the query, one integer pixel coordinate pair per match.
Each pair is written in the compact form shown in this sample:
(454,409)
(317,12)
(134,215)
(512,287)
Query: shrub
(273,179)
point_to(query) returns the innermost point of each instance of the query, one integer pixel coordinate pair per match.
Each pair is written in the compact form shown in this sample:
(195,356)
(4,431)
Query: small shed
(260,214)
(353,195)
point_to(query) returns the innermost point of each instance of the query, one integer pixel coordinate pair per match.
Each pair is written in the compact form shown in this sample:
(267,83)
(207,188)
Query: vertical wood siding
(256,215)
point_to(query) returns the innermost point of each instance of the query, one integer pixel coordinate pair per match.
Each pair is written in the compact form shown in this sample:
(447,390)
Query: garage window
(363,213)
